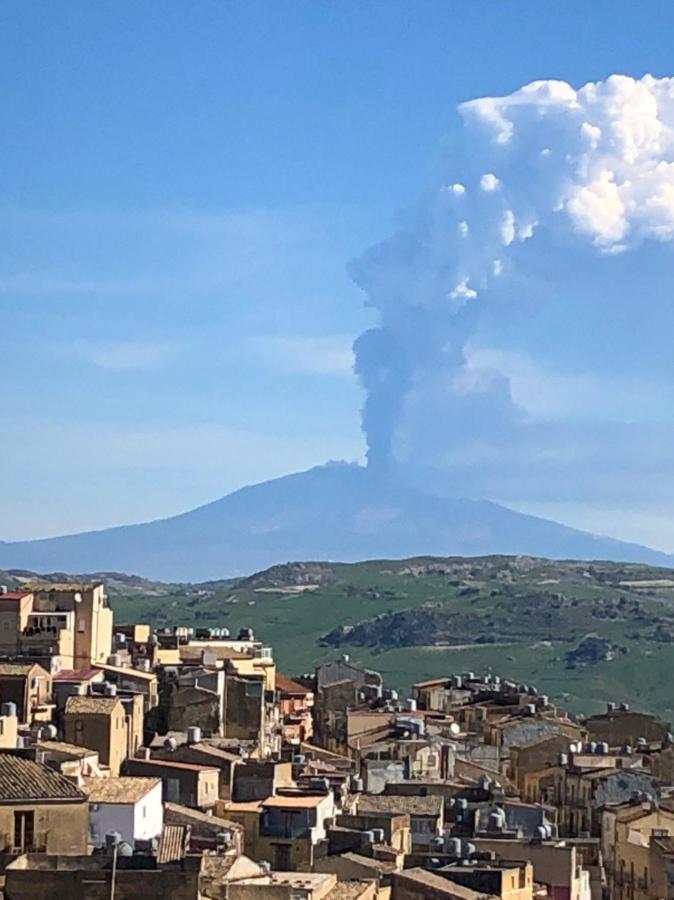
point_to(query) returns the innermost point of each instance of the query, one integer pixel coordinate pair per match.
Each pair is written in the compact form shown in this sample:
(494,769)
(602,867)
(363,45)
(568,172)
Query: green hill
(583,633)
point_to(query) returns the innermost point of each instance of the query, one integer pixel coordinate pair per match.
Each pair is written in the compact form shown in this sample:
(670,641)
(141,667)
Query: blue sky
(182,187)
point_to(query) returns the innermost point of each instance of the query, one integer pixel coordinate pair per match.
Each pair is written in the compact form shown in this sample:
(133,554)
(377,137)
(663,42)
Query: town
(180,763)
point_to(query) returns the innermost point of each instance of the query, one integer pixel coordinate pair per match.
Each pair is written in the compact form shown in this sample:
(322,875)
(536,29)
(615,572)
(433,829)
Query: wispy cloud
(122,356)
(551,395)
(311,355)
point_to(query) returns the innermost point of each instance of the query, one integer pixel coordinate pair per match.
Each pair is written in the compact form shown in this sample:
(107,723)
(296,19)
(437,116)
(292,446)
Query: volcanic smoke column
(546,168)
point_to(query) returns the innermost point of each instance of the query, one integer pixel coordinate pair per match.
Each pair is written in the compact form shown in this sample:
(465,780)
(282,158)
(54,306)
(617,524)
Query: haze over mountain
(333,512)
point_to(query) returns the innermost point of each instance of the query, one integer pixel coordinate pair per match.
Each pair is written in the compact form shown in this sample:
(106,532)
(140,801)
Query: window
(24,830)
(172,790)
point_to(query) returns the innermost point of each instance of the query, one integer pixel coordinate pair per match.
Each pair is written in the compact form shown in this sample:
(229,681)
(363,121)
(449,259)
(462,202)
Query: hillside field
(583,633)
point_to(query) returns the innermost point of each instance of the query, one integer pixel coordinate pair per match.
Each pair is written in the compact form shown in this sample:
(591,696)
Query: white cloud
(613,145)
(463,229)
(507,228)
(489,183)
(463,291)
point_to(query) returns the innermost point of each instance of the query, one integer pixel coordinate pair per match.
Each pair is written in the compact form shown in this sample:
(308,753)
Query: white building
(132,807)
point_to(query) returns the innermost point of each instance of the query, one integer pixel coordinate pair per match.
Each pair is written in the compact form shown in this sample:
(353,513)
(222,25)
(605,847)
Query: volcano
(338,512)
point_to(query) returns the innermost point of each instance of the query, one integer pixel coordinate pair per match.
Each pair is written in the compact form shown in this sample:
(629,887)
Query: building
(99,723)
(40,809)
(258,779)
(183,783)
(626,833)
(70,683)
(296,703)
(621,726)
(422,884)
(532,756)
(39,876)
(557,864)
(207,831)
(290,828)
(130,807)
(509,880)
(426,814)
(132,681)
(15,607)
(28,686)
(82,612)
(69,759)
(190,748)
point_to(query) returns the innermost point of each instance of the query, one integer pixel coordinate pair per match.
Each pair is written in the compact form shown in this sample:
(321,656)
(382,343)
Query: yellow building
(82,611)
(40,809)
(626,835)
(98,723)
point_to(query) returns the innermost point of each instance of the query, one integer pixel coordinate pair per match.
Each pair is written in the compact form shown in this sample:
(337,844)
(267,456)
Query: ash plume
(539,183)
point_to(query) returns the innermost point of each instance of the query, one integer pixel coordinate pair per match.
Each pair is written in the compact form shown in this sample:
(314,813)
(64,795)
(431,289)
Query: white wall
(104,818)
(149,815)
(139,821)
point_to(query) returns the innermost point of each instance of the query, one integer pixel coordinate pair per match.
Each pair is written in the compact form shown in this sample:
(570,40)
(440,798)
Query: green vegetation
(424,618)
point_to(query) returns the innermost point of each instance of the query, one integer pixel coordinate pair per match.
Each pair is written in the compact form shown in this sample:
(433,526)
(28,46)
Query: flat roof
(306,801)
(127,670)
(167,763)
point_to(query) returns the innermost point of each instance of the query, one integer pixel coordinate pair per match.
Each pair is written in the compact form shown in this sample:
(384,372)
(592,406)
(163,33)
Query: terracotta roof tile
(118,790)
(82,706)
(288,686)
(23,779)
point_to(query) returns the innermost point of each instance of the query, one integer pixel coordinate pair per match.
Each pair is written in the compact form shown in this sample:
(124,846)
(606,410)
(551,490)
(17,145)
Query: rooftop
(118,790)
(16,669)
(25,780)
(439,884)
(127,670)
(173,843)
(169,764)
(66,749)
(15,595)
(196,815)
(411,805)
(233,806)
(378,865)
(75,675)
(82,706)
(296,801)
(348,890)
(288,686)
(45,586)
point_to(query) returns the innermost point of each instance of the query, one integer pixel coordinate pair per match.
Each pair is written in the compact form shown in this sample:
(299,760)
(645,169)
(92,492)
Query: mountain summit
(332,512)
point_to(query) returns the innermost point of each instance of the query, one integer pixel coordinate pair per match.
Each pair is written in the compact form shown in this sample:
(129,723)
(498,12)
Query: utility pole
(114,872)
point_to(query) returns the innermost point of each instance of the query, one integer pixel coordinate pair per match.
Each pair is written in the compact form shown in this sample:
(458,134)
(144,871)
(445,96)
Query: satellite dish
(78,597)
(455,728)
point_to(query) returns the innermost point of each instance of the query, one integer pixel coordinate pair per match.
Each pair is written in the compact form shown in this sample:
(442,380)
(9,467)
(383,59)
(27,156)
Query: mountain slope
(333,512)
